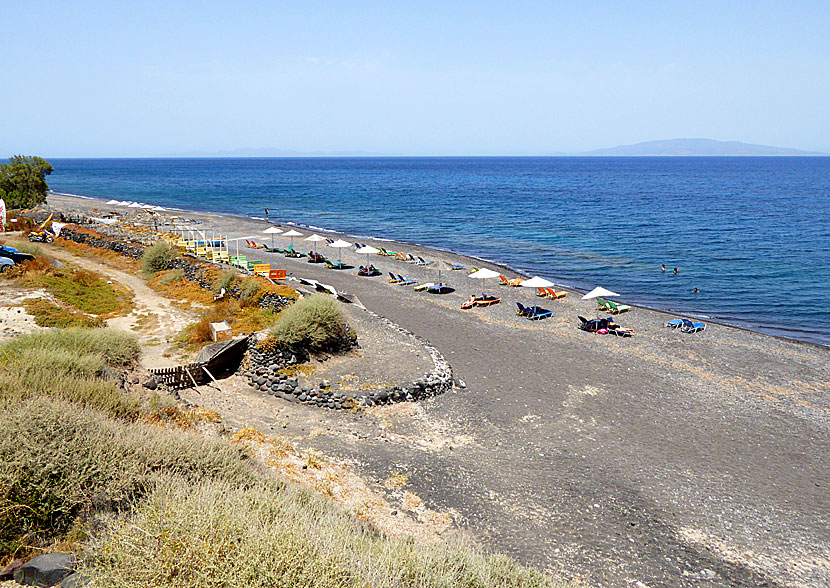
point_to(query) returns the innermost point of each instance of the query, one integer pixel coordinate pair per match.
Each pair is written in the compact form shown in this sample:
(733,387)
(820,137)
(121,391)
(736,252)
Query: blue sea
(752,234)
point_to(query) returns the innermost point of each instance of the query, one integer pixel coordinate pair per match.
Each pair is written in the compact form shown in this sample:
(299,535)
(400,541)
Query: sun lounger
(404,281)
(487,301)
(533,312)
(393,278)
(456,266)
(277,274)
(603,305)
(554,295)
(674,324)
(336,266)
(615,308)
(421,287)
(692,327)
(438,289)
(515,282)
(401,257)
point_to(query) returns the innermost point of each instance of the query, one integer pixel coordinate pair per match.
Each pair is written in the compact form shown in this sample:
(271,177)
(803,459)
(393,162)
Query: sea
(751,234)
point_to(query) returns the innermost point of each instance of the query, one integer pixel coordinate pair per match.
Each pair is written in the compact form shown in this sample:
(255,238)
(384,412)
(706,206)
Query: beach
(666,458)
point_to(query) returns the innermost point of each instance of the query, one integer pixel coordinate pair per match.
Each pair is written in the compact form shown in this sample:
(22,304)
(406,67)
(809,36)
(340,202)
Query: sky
(122,79)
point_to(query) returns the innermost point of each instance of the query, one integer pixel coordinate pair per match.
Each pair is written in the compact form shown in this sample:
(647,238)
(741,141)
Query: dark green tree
(23,181)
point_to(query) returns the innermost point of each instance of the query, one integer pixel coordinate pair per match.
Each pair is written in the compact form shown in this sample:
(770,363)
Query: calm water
(752,234)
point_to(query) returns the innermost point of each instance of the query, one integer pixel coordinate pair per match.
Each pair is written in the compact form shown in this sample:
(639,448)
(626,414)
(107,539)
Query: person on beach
(266,214)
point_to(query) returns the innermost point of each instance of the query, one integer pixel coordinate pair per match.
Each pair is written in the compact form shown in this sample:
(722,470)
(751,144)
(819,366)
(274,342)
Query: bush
(156,258)
(314,323)
(70,365)
(59,462)
(171,276)
(248,291)
(225,281)
(49,314)
(220,534)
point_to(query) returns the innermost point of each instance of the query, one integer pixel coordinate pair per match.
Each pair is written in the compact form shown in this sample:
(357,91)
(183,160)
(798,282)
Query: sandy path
(155,319)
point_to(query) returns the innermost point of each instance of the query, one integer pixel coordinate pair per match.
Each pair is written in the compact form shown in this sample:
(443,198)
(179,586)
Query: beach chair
(422,261)
(615,308)
(421,287)
(404,281)
(515,282)
(674,324)
(603,305)
(393,278)
(250,265)
(401,257)
(692,327)
(438,289)
(487,301)
(336,266)
(554,295)
(262,269)
(456,266)
(521,309)
(277,274)
(542,292)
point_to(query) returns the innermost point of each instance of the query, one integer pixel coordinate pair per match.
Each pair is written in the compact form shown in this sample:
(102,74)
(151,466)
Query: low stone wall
(132,250)
(262,369)
(194,269)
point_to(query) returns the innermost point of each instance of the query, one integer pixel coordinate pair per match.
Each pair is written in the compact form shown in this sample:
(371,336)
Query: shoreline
(430,250)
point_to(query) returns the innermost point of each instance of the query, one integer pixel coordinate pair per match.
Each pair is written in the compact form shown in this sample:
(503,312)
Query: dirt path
(155,319)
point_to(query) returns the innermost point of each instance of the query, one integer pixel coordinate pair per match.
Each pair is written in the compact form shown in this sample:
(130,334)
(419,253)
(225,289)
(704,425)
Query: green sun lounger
(615,308)
(602,304)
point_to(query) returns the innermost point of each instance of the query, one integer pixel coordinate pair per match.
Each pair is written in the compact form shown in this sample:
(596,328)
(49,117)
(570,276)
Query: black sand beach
(664,459)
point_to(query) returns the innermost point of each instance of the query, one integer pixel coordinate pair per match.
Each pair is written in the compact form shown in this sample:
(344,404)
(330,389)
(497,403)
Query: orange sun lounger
(277,274)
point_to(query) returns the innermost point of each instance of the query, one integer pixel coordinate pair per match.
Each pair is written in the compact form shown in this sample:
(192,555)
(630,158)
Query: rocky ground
(666,459)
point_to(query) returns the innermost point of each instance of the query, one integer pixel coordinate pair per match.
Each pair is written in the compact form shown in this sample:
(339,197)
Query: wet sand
(667,459)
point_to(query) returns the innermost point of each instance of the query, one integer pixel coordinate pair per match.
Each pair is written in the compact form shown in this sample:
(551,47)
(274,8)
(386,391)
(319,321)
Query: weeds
(49,314)
(314,323)
(156,258)
(225,281)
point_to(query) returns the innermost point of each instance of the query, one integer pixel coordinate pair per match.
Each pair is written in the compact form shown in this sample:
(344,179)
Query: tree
(23,181)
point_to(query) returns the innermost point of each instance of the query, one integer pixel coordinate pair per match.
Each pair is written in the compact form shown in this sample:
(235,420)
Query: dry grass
(50,314)
(173,285)
(86,291)
(108,257)
(217,533)
(241,320)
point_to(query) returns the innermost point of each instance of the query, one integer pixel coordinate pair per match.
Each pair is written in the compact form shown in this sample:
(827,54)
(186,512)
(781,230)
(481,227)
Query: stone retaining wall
(262,371)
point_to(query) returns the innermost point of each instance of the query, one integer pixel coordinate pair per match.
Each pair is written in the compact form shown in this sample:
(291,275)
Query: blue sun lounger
(691,327)
(674,323)
(533,313)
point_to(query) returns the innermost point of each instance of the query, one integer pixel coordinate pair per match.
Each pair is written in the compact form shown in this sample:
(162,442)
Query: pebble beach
(663,459)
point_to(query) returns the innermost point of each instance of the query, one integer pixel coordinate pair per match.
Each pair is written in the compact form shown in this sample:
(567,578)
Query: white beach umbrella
(135,205)
(314,238)
(124,203)
(482,275)
(599,292)
(113,202)
(292,233)
(536,282)
(368,250)
(272,231)
(340,244)
(159,208)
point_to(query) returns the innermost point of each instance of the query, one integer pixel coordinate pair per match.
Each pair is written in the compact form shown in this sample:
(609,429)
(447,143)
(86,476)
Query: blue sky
(422,78)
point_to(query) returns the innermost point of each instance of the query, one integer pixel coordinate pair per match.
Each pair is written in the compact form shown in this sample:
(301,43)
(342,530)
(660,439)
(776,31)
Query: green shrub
(313,323)
(220,534)
(71,365)
(59,462)
(248,291)
(156,258)
(225,281)
(171,276)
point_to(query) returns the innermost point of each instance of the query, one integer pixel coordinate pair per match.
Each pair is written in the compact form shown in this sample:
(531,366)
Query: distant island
(696,147)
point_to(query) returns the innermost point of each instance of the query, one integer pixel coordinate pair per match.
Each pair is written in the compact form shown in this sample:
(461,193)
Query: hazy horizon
(428,79)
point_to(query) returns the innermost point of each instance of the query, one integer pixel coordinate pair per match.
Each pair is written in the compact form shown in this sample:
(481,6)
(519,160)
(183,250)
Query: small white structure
(220,331)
